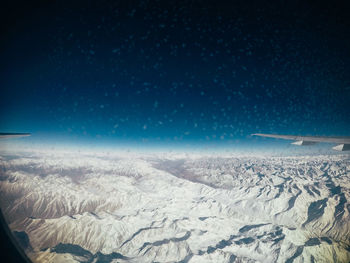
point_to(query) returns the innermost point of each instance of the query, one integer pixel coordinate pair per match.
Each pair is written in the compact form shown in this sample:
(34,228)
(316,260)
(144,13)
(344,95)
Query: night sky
(183,72)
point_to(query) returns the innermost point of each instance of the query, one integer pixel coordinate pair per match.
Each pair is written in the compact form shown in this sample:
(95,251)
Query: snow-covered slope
(86,208)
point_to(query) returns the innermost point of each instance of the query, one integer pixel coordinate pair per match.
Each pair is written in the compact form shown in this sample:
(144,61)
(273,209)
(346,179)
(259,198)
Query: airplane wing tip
(258,134)
(13,135)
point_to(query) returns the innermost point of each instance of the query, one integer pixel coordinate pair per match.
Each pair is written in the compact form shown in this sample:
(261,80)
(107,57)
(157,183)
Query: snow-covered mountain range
(77,207)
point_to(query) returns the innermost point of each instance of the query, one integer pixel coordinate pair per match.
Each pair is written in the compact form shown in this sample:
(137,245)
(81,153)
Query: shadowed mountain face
(77,207)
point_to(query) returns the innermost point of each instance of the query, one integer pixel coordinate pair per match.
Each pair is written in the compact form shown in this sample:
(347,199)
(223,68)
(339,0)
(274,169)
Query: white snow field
(86,207)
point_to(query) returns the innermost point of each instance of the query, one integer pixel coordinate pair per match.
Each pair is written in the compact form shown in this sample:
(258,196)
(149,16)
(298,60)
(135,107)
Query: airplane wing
(13,135)
(343,142)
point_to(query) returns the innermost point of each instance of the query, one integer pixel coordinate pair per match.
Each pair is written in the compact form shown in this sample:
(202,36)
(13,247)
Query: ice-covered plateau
(111,208)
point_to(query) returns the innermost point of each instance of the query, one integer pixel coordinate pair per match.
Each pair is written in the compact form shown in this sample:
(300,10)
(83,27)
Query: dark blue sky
(191,72)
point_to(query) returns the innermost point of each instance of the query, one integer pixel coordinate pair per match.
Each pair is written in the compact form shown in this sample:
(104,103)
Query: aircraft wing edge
(343,142)
(13,135)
